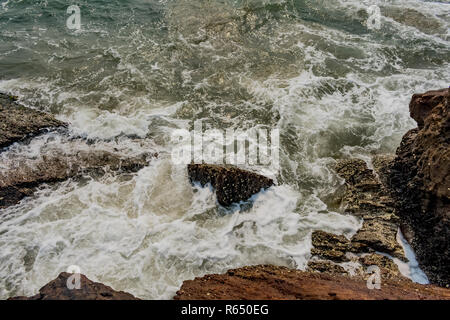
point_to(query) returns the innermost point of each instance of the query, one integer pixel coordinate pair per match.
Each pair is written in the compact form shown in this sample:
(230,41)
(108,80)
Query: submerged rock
(279,283)
(18,122)
(420,181)
(411,17)
(22,177)
(89,290)
(232,184)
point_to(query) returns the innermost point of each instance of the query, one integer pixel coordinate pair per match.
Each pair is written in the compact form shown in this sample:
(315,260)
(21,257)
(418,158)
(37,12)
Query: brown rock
(367,197)
(279,283)
(329,246)
(89,290)
(421,105)
(232,184)
(21,178)
(18,123)
(379,235)
(324,266)
(388,268)
(420,181)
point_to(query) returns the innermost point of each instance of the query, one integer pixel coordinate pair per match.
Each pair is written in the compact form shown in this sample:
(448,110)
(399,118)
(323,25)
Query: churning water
(138,70)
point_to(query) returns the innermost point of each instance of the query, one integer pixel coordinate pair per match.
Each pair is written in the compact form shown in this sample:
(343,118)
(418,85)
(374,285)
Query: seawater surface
(138,70)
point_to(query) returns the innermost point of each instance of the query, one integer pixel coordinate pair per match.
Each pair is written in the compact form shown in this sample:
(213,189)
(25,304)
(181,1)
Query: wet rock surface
(279,283)
(419,178)
(89,290)
(232,184)
(18,122)
(22,177)
(424,23)
(364,196)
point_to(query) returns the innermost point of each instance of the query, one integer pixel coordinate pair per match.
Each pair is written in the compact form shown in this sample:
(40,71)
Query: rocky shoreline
(279,283)
(408,191)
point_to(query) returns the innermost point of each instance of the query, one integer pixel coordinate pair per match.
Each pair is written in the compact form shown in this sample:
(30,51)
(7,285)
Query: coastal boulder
(232,184)
(18,122)
(58,290)
(21,177)
(420,180)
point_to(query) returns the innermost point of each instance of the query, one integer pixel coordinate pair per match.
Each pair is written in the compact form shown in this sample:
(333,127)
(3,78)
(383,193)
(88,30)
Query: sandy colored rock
(366,197)
(280,283)
(329,246)
(325,266)
(89,290)
(232,184)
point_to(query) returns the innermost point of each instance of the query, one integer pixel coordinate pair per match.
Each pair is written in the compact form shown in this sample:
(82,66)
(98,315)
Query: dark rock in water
(232,184)
(18,122)
(23,177)
(420,180)
(89,290)
(279,283)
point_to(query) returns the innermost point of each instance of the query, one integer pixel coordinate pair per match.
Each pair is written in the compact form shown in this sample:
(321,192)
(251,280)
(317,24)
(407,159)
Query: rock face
(18,123)
(23,177)
(420,179)
(367,197)
(232,184)
(89,290)
(279,283)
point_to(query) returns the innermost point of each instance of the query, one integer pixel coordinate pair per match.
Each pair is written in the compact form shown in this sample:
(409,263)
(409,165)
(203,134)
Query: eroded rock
(232,184)
(18,122)
(419,178)
(21,176)
(272,283)
(89,290)
(367,197)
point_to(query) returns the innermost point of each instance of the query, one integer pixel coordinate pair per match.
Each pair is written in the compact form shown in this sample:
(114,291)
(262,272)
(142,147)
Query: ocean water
(137,70)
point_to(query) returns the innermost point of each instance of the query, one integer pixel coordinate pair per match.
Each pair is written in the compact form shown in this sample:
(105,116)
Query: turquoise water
(137,70)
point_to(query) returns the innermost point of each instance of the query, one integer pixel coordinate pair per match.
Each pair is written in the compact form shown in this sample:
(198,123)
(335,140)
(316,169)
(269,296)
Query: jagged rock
(275,283)
(379,235)
(89,290)
(329,246)
(21,178)
(359,267)
(420,181)
(325,266)
(368,198)
(422,105)
(388,268)
(365,197)
(232,184)
(18,122)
